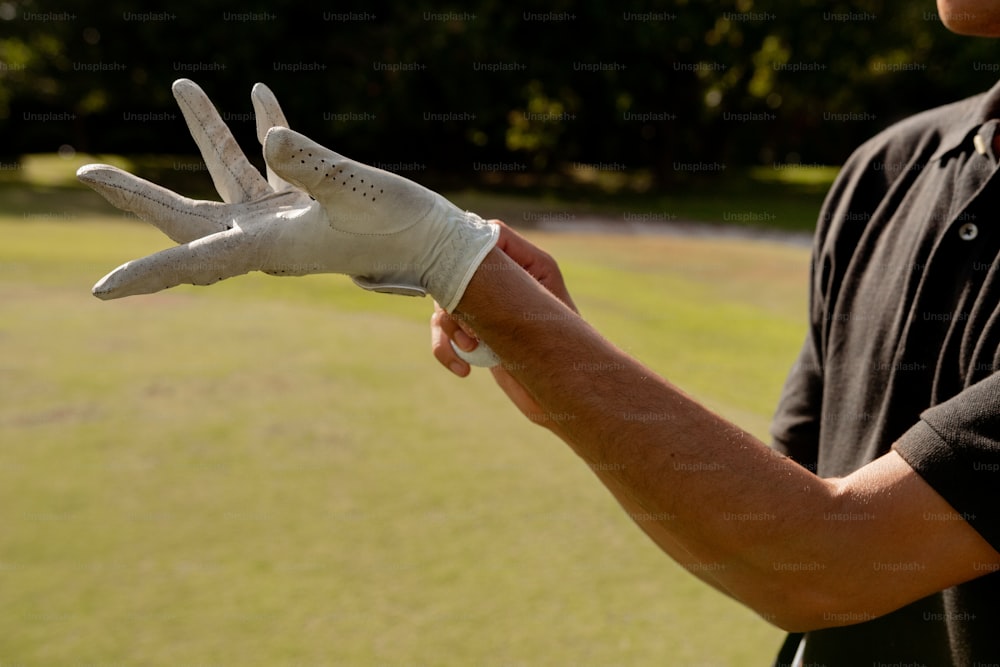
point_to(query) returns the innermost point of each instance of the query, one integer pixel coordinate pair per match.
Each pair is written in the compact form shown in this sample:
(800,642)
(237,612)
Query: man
(881,532)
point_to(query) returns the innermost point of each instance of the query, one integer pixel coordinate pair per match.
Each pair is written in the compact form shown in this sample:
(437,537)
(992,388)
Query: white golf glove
(317,212)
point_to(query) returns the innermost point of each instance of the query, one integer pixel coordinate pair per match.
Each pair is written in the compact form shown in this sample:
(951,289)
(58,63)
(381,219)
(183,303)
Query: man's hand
(317,212)
(446,328)
(451,331)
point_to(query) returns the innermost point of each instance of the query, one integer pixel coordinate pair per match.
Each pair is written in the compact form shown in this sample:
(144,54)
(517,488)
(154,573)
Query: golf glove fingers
(316,212)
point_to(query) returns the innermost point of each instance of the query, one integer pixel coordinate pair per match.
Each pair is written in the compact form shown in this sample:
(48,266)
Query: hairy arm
(803,552)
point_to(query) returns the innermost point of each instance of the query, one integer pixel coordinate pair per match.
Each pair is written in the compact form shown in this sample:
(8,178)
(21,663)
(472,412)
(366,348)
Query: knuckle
(440,356)
(441,351)
(440,320)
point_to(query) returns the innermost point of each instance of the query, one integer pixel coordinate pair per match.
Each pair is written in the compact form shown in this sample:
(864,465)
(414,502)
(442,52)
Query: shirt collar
(978,110)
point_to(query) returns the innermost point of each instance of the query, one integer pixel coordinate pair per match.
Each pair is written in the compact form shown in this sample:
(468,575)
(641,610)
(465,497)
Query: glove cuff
(447,264)
(469,241)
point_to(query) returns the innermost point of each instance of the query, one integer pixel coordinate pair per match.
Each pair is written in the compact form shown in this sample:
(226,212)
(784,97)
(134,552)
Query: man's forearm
(720,497)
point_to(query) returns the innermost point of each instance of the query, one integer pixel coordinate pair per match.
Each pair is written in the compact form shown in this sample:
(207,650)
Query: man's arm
(446,329)
(758,522)
(803,552)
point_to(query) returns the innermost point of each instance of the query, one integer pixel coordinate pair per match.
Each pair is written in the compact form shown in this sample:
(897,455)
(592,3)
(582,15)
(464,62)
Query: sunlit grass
(816,177)
(51,169)
(276,472)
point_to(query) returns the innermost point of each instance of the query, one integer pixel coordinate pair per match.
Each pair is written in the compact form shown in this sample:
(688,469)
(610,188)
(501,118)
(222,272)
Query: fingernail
(465,341)
(457,367)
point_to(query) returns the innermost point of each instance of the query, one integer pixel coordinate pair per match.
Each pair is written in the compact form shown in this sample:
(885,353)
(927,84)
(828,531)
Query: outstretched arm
(745,518)
(750,521)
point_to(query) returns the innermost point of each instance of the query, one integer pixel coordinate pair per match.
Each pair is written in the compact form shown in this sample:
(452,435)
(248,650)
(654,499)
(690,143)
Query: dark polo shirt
(903,352)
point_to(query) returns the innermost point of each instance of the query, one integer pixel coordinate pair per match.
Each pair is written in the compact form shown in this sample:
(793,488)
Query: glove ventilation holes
(365,192)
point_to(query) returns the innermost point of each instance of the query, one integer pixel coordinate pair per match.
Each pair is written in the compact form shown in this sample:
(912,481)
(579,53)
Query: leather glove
(316,212)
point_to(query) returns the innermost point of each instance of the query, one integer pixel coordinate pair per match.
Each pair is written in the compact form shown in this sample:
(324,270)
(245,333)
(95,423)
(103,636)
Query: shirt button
(980,144)
(968,231)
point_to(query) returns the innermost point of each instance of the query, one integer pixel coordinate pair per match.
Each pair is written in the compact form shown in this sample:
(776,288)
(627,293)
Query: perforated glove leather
(316,212)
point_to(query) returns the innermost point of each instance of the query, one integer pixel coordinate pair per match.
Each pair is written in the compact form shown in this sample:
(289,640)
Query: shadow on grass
(783,199)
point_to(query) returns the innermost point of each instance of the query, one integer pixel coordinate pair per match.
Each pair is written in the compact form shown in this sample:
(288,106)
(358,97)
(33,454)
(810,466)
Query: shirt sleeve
(955,447)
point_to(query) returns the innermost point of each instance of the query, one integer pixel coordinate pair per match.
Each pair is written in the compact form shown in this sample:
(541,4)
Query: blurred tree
(844,70)
(422,85)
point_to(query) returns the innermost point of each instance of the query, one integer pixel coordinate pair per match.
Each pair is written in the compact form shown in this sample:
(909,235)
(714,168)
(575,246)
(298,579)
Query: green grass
(276,472)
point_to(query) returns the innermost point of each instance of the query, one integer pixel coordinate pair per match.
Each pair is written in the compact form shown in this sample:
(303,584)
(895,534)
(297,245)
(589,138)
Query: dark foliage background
(656,85)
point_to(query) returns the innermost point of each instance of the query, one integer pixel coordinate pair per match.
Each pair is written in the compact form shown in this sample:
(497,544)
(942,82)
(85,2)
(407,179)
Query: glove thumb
(356,197)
